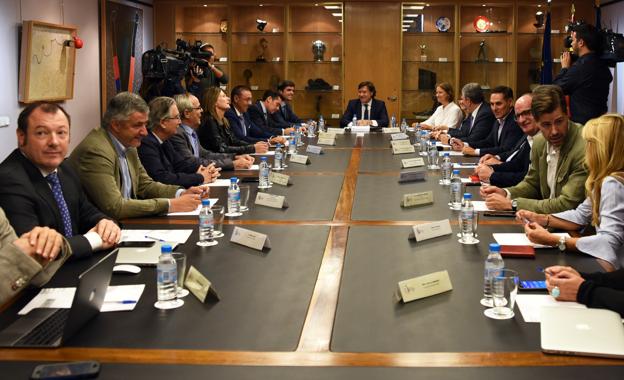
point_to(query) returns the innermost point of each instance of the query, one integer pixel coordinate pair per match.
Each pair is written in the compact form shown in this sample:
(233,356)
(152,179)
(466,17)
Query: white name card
(557,60)
(335,59)
(251,239)
(270,200)
(412,175)
(254,88)
(275,30)
(222,59)
(424,286)
(499,59)
(442,59)
(431,230)
(337,131)
(403,149)
(360,129)
(326,135)
(554,31)
(276,59)
(399,136)
(417,199)
(279,178)
(299,159)
(199,285)
(336,87)
(326,140)
(412,162)
(315,149)
(400,143)
(390,130)
(335,116)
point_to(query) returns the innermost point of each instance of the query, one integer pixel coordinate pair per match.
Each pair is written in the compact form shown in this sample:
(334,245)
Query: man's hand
(484,172)
(287,131)
(468,151)
(457,145)
(278,140)
(109,232)
(188,201)
(498,202)
(261,147)
(41,243)
(566,60)
(444,138)
(241,163)
(484,191)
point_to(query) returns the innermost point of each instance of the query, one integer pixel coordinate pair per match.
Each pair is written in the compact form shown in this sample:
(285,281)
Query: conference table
(321,303)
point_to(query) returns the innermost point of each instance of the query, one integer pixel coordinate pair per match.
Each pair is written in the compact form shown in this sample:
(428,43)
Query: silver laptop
(141,256)
(586,332)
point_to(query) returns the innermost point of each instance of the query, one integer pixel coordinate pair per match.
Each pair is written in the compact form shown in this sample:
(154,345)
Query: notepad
(521,239)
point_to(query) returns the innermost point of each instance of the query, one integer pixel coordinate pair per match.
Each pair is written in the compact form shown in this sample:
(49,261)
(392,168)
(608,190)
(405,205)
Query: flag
(546,77)
(598,15)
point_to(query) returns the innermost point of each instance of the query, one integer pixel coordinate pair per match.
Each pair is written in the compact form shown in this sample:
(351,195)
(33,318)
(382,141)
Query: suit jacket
(533,192)
(481,127)
(220,138)
(96,160)
(28,201)
(510,135)
(164,164)
(182,144)
(18,269)
(377,112)
(262,120)
(510,173)
(285,117)
(249,132)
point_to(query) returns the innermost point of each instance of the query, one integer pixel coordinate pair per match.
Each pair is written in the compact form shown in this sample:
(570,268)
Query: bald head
(524,117)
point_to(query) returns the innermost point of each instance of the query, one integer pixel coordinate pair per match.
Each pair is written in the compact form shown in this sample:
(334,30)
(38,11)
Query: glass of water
(433,156)
(244,197)
(504,290)
(218,213)
(180,259)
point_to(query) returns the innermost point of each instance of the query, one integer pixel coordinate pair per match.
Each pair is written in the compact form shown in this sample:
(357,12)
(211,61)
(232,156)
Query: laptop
(141,256)
(586,332)
(51,327)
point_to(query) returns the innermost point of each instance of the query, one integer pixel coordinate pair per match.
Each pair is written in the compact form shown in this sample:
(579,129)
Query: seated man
(479,117)
(112,174)
(241,123)
(186,142)
(366,108)
(260,112)
(557,172)
(508,168)
(41,189)
(504,133)
(285,116)
(30,259)
(160,159)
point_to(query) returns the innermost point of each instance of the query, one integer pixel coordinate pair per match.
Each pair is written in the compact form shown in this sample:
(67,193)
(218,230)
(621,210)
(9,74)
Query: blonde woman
(604,206)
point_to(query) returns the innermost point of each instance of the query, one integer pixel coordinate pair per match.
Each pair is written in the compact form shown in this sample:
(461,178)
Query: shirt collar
(239,113)
(502,121)
(188,130)
(119,147)
(157,138)
(476,110)
(264,110)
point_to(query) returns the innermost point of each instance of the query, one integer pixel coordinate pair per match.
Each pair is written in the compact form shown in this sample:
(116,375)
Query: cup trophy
(318,49)
(423,55)
(263,44)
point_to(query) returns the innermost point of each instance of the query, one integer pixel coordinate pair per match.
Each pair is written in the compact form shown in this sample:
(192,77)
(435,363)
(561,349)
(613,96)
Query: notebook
(142,256)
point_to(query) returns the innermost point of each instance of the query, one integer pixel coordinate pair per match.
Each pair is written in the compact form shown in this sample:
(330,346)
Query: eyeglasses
(173,117)
(197,108)
(523,113)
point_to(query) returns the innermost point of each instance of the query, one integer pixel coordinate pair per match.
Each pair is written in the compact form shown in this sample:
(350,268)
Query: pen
(155,238)
(542,270)
(124,302)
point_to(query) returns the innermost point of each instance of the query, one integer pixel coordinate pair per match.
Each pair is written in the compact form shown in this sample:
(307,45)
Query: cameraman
(587,80)
(200,79)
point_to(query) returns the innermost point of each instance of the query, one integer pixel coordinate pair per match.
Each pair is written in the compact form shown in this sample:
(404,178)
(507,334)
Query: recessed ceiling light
(337,14)
(331,6)
(414,15)
(408,21)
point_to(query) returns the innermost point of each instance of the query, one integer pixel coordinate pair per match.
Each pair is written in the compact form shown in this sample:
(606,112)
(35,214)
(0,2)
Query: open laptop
(586,332)
(141,256)
(51,327)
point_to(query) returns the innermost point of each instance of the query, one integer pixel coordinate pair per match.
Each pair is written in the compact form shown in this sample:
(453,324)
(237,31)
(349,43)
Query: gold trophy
(423,54)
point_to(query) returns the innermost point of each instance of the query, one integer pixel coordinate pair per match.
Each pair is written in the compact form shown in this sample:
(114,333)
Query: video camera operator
(200,79)
(586,80)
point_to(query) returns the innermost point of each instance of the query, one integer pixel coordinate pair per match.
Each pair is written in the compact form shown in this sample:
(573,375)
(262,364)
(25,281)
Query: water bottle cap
(233,179)
(455,171)
(494,247)
(292,133)
(446,154)
(205,202)
(165,248)
(467,196)
(278,145)
(263,158)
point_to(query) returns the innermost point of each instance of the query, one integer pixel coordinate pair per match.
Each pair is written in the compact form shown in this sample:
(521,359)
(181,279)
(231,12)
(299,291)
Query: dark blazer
(182,144)
(285,117)
(164,164)
(249,132)
(480,128)
(262,120)
(220,138)
(510,135)
(510,173)
(377,112)
(28,201)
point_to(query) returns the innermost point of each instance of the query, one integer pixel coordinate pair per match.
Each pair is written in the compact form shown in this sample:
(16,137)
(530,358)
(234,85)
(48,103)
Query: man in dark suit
(366,107)
(504,133)
(260,112)
(479,117)
(41,189)
(240,122)
(285,116)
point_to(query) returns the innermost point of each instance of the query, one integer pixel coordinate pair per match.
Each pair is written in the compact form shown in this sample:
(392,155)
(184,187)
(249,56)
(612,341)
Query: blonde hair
(211,95)
(604,137)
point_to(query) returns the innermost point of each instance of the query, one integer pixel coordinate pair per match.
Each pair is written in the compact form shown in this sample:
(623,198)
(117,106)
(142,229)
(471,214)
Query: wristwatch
(562,243)
(514,205)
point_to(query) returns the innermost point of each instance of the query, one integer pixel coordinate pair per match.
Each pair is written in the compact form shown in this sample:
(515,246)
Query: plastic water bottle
(433,156)
(467,219)
(456,190)
(404,126)
(166,276)
(206,225)
(279,158)
(298,135)
(493,265)
(423,143)
(263,174)
(292,144)
(321,124)
(354,121)
(393,122)
(233,204)
(447,167)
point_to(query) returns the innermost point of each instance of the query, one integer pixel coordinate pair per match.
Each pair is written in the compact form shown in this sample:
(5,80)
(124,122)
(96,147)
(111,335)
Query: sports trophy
(318,49)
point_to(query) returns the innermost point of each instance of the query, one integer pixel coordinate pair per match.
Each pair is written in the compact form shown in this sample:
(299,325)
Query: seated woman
(448,115)
(158,155)
(215,133)
(604,206)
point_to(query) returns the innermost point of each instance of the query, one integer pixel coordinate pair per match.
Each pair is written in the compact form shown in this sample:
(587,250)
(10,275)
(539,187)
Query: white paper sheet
(253,167)
(220,182)
(451,153)
(464,166)
(479,206)
(520,239)
(531,305)
(56,298)
(194,212)
(174,236)
(122,297)
(269,153)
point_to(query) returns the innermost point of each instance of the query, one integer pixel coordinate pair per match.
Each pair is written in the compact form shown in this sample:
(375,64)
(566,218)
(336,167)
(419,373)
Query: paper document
(269,153)
(464,165)
(531,305)
(451,153)
(521,239)
(446,146)
(194,212)
(253,167)
(122,297)
(222,182)
(52,298)
(479,206)
(176,236)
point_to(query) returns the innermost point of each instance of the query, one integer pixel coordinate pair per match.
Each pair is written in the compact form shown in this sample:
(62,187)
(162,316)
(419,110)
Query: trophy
(263,44)
(318,49)
(247,74)
(423,55)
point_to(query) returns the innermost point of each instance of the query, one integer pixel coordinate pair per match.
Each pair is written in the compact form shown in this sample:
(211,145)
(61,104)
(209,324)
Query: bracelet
(547,221)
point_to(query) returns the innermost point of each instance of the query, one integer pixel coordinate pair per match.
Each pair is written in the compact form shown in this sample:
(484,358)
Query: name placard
(199,285)
(403,149)
(222,59)
(337,131)
(335,59)
(412,175)
(299,159)
(270,200)
(251,239)
(327,140)
(400,143)
(416,199)
(254,88)
(412,162)
(443,59)
(499,59)
(390,130)
(431,230)
(399,136)
(276,59)
(326,135)
(335,115)
(314,149)
(279,178)
(360,129)
(424,286)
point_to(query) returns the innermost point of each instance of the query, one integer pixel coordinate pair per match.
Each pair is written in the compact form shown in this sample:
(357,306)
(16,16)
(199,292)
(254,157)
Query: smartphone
(136,244)
(533,285)
(72,370)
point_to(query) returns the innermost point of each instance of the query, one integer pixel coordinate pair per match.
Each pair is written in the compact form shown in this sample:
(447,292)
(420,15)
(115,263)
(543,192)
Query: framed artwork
(48,59)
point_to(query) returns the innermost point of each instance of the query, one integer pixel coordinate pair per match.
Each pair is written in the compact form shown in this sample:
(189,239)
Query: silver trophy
(318,49)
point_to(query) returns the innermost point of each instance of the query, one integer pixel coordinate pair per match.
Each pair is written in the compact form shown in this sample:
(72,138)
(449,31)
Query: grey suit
(183,146)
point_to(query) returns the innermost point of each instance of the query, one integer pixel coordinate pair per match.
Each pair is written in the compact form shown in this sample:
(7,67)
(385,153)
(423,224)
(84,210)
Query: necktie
(500,131)
(242,121)
(469,122)
(195,144)
(366,117)
(283,109)
(57,192)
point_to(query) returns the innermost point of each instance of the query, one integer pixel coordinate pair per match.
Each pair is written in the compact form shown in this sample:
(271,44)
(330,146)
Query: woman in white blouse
(604,206)
(448,114)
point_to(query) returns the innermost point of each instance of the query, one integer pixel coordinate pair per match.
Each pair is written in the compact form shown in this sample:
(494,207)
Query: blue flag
(546,77)
(598,16)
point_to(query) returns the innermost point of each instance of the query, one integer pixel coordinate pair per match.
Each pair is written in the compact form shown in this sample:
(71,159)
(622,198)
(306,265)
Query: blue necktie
(469,122)
(54,182)
(195,144)
(242,120)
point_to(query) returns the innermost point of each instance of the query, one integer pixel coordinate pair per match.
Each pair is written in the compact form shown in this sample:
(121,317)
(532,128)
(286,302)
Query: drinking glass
(180,259)
(244,197)
(218,213)
(504,290)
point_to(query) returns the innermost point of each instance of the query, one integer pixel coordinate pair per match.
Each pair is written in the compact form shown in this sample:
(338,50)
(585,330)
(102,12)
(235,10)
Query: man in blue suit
(260,114)
(285,116)
(366,107)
